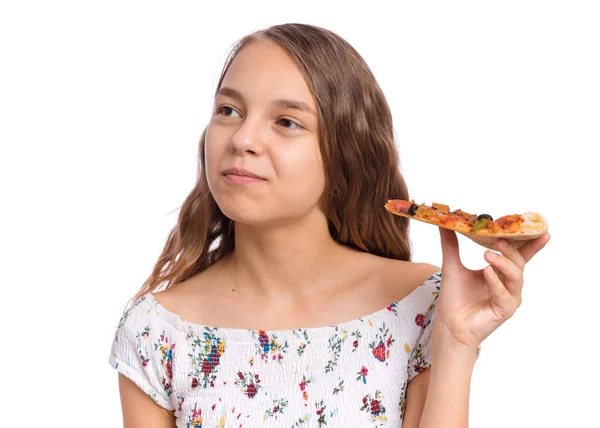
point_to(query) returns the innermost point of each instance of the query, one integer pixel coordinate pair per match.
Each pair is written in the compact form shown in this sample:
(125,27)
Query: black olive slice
(413,209)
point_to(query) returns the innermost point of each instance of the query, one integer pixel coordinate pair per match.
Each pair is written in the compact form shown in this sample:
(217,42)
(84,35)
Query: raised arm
(471,305)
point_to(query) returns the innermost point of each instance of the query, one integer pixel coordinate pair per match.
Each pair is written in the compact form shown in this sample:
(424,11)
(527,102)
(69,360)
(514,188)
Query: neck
(286,264)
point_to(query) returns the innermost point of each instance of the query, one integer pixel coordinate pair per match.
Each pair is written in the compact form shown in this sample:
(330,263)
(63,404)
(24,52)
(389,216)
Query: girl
(281,271)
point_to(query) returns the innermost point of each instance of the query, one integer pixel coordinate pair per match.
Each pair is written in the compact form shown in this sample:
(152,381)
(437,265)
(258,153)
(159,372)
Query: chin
(253,215)
(244,218)
(243,212)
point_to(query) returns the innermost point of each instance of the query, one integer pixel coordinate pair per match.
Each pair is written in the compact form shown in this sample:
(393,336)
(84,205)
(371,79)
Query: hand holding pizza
(474,303)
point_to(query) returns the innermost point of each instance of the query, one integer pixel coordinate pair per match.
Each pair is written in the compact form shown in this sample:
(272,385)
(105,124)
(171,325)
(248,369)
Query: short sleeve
(141,352)
(420,355)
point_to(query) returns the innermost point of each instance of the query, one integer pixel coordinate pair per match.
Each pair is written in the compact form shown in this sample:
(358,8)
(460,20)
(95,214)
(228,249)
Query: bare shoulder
(412,270)
(187,296)
(400,277)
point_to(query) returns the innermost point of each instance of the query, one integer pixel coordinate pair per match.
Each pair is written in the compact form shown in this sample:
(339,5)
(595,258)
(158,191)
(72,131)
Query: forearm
(447,402)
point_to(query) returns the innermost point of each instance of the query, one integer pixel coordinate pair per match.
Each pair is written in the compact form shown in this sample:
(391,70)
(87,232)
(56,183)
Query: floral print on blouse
(353,374)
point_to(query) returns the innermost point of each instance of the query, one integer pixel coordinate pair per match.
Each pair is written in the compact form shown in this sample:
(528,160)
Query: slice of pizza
(481,228)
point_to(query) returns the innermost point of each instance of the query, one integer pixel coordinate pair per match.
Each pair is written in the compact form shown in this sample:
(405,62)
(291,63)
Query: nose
(248,138)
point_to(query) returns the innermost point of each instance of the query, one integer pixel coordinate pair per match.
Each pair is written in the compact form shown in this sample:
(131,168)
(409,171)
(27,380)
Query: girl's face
(265,122)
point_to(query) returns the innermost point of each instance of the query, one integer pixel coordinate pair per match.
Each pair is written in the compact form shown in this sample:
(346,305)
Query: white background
(496,106)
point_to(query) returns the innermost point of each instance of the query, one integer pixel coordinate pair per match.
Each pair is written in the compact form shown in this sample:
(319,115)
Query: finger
(510,252)
(450,250)
(532,247)
(501,297)
(507,271)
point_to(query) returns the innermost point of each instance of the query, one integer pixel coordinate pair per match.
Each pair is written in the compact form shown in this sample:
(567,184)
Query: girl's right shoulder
(137,309)
(141,347)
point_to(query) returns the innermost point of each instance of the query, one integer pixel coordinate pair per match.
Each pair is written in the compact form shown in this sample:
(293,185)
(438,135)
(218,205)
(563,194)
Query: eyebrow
(282,103)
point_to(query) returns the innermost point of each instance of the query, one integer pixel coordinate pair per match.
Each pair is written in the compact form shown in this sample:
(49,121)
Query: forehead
(262,70)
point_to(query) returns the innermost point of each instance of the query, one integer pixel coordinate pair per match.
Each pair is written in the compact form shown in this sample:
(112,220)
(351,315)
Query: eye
(222,108)
(290,121)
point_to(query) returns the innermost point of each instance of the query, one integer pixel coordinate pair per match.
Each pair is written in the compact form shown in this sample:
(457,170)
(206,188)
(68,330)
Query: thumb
(450,253)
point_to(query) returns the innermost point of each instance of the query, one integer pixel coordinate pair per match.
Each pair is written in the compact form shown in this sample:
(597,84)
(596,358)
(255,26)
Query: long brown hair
(357,146)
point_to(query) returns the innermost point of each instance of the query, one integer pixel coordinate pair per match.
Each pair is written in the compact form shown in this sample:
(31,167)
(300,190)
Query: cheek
(213,153)
(302,172)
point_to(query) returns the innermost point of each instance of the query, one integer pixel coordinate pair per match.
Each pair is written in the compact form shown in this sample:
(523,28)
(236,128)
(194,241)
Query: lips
(242,172)
(243,179)
(239,176)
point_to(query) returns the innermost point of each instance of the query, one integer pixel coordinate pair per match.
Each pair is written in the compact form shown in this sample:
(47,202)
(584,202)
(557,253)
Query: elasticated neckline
(420,293)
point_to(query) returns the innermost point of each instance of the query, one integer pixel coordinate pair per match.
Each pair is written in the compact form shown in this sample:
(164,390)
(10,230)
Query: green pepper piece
(480,224)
